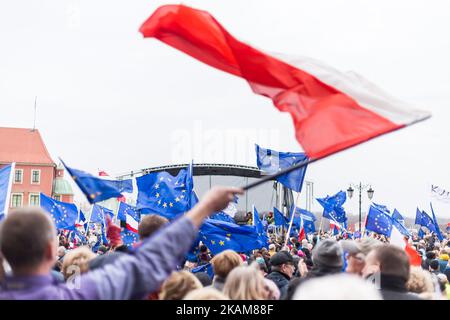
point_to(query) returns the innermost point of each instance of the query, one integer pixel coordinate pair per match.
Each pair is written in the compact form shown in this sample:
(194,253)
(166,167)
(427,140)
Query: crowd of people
(39,263)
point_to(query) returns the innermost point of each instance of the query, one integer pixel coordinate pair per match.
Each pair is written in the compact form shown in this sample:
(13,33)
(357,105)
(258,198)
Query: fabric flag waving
(98,189)
(279,219)
(331,110)
(436,225)
(129,215)
(271,161)
(6,176)
(304,219)
(260,228)
(424,220)
(398,217)
(63,214)
(166,195)
(220,235)
(378,221)
(399,222)
(398,240)
(98,214)
(332,208)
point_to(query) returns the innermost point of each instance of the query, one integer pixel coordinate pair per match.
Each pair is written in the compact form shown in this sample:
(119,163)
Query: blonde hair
(420,282)
(78,257)
(246,283)
(178,285)
(205,294)
(224,262)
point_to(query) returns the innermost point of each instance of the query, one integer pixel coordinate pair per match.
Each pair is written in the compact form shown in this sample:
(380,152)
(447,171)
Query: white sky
(109,99)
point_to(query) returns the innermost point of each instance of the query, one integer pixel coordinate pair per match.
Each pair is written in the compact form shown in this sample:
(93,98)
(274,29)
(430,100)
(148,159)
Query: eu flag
(98,214)
(260,228)
(306,219)
(222,217)
(64,214)
(6,174)
(220,235)
(129,238)
(166,195)
(98,189)
(424,220)
(436,225)
(378,221)
(271,161)
(125,209)
(398,222)
(332,207)
(279,218)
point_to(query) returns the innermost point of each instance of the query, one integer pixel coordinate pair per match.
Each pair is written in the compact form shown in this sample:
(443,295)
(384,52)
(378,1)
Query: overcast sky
(109,99)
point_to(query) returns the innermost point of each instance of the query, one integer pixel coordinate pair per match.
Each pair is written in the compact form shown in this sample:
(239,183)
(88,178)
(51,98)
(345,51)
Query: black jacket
(280,279)
(394,288)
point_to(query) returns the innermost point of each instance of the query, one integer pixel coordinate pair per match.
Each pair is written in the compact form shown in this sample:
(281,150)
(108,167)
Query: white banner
(440,194)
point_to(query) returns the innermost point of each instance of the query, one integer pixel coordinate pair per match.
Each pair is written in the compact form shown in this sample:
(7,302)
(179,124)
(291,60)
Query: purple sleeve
(138,274)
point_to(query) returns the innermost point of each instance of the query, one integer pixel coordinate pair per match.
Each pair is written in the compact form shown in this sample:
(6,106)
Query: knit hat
(328,253)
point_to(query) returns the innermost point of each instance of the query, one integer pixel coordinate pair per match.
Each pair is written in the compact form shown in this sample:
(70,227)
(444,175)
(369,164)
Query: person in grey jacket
(28,243)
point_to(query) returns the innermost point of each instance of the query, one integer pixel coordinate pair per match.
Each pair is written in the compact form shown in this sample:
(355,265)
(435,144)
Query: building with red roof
(35,170)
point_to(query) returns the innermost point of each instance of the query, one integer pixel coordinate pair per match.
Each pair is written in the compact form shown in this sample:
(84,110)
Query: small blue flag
(98,189)
(421,233)
(126,209)
(129,238)
(436,225)
(398,222)
(64,214)
(279,218)
(6,174)
(271,161)
(332,207)
(262,235)
(222,217)
(424,220)
(98,214)
(379,221)
(220,235)
(166,195)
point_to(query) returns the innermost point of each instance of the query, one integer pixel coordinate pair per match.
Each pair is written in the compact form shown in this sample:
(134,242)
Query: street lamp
(360,188)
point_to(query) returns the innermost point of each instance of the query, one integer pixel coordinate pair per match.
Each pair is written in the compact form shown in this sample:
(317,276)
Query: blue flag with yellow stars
(64,214)
(262,235)
(305,218)
(98,189)
(399,222)
(271,161)
(379,221)
(424,220)
(280,219)
(332,207)
(166,195)
(436,225)
(99,213)
(129,237)
(220,235)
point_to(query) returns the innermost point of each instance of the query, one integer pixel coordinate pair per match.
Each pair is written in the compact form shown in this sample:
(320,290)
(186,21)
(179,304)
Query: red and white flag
(131,223)
(397,239)
(331,110)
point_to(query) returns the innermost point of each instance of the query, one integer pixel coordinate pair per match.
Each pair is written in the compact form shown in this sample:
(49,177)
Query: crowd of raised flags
(170,196)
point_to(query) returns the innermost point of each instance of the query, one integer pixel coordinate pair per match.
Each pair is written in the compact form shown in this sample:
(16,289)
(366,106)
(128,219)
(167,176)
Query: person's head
(273,291)
(328,254)
(387,260)
(272,247)
(430,255)
(420,282)
(204,279)
(224,262)
(150,224)
(434,265)
(28,241)
(283,262)
(205,294)
(246,283)
(203,249)
(337,287)
(178,285)
(77,261)
(102,250)
(61,251)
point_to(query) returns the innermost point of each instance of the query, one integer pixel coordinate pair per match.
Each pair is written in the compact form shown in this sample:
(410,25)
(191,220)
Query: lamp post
(360,187)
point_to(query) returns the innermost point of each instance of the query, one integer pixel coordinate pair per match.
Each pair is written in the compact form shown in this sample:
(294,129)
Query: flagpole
(292,220)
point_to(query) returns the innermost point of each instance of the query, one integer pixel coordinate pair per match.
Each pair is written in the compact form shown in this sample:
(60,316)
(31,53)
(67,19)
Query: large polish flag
(331,110)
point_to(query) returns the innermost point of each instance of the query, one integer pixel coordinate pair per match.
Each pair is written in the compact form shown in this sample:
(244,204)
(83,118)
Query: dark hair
(393,261)
(150,224)
(430,255)
(434,264)
(25,236)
